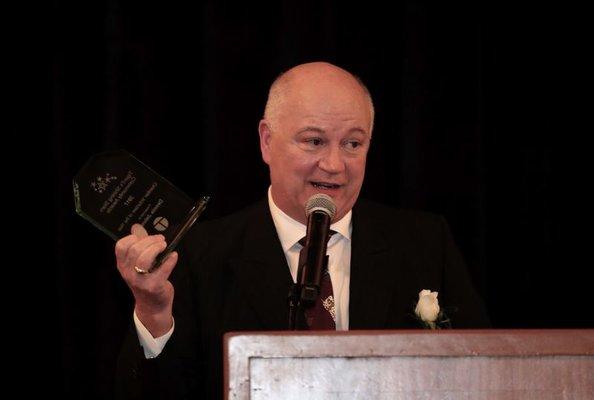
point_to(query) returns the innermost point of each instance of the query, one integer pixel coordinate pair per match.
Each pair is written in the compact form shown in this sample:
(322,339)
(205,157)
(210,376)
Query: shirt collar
(290,231)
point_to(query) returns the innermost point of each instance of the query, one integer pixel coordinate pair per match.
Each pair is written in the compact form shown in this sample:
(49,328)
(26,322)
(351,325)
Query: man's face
(318,144)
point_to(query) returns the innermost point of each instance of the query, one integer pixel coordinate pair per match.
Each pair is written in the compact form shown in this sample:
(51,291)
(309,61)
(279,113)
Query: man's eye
(314,141)
(353,144)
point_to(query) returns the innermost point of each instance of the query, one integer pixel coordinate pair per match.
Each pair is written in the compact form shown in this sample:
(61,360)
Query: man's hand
(153,293)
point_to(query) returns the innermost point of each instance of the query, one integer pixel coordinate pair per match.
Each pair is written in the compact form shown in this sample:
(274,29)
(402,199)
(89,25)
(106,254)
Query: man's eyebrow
(358,130)
(311,129)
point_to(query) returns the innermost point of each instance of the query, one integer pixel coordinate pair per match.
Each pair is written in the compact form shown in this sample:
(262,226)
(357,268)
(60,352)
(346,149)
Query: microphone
(313,261)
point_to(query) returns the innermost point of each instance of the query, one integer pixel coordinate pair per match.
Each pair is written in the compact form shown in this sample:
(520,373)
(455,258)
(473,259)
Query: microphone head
(320,202)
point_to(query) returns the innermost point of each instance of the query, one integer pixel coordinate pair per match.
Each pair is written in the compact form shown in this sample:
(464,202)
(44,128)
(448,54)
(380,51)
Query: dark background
(468,103)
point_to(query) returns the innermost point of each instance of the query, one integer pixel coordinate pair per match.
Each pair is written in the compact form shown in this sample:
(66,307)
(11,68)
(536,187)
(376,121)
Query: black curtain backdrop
(466,99)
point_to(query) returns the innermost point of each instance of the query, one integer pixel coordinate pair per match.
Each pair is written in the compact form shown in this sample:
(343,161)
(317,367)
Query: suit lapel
(263,273)
(373,274)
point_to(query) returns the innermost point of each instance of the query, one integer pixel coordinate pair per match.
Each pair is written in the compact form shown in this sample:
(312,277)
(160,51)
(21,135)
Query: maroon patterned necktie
(322,315)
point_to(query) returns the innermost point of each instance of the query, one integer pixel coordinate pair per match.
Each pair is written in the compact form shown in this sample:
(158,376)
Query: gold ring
(140,270)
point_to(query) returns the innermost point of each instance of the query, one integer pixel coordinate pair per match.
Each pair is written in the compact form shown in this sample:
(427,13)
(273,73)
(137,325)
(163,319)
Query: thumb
(167,266)
(138,231)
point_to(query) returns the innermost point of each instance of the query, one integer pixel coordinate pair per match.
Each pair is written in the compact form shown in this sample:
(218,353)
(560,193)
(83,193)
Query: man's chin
(340,213)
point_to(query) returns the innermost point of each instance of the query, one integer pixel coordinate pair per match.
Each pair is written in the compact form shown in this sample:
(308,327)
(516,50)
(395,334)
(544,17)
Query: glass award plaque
(114,190)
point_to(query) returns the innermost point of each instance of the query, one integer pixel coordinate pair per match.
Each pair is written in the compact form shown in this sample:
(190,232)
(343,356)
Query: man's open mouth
(325,185)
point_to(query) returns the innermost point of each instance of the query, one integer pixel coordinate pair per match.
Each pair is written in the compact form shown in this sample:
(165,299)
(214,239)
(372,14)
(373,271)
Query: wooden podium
(423,364)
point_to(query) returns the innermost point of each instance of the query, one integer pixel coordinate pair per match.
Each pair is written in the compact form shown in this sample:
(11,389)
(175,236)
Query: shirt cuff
(152,346)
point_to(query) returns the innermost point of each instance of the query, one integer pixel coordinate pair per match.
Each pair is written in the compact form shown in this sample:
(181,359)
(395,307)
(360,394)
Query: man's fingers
(135,251)
(147,257)
(122,246)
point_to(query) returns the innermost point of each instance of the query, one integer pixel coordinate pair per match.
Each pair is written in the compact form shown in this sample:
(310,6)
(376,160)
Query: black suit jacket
(232,275)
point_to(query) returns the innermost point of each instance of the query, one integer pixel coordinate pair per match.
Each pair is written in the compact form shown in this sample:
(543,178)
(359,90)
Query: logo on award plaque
(114,190)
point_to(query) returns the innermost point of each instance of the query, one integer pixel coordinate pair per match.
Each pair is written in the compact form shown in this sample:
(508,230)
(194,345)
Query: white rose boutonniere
(428,311)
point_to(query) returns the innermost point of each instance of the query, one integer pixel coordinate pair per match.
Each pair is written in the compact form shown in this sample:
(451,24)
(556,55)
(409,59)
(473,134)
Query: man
(234,273)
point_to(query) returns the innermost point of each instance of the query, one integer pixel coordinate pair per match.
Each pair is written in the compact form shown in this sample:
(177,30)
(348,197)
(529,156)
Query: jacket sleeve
(176,372)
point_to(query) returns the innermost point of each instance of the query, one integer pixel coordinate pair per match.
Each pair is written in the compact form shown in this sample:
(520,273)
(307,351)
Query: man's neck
(290,230)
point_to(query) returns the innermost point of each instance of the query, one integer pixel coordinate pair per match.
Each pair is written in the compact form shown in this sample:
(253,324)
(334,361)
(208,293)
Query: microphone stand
(312,262)
(294,297)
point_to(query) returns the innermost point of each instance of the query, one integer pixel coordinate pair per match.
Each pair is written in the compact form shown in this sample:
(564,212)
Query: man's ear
(265,138)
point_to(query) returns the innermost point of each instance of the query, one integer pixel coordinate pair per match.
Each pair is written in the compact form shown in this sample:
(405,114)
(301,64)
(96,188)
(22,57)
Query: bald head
(303,82)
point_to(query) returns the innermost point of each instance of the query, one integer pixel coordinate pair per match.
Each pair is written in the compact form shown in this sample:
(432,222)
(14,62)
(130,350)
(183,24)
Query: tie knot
(302,240)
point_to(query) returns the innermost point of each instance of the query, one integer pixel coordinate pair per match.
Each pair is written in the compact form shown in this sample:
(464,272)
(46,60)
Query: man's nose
(331,161)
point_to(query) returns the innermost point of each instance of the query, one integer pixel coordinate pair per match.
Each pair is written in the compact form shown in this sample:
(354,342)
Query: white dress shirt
(339,251)
(290,232)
